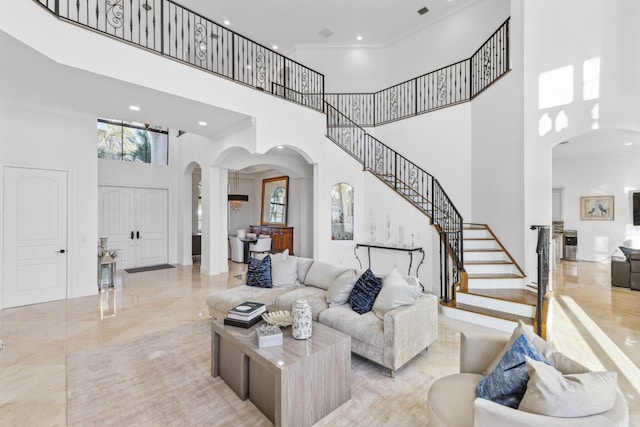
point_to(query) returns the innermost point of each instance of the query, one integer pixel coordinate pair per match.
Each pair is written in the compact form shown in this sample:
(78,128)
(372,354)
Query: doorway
(35,235)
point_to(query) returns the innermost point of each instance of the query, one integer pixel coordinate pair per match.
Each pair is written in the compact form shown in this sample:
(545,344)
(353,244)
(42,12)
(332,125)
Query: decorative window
(132,142)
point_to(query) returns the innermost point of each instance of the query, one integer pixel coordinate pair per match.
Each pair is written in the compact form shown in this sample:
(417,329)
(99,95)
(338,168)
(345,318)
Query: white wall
(38,137)
(613,174)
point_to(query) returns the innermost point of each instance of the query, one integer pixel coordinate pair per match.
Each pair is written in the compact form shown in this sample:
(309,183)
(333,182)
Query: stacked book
(245,315)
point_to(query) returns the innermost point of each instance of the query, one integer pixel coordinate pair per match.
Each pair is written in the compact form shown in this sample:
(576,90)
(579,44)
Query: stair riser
(479,319)
(490,268)
(485,256)
(523,310)
(476,233)
(495,283)
(481,244)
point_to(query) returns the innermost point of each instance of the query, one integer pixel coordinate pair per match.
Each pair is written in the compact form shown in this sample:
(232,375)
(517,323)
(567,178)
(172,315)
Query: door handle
(61,251)
(132,235)
(137,234)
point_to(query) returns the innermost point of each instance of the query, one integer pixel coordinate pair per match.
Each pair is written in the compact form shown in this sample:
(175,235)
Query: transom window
(132,142)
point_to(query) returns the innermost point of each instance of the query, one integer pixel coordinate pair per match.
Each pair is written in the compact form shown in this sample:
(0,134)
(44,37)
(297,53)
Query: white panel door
(116,222)
(135,222)
(151,225)
(35,236)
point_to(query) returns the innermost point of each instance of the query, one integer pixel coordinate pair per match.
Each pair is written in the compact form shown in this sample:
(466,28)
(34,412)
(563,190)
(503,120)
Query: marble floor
(590,321)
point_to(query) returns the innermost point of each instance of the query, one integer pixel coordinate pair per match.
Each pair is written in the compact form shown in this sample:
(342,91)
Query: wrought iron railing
(176,32)
(407,179)
(447,86)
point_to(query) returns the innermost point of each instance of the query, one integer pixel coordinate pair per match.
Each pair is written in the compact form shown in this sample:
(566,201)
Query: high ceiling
(286,23)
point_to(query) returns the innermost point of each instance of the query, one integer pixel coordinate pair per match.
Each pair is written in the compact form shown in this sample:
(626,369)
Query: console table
(389,247)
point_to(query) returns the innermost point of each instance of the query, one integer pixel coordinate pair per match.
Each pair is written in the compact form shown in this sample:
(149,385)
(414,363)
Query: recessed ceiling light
(423,10)
(275,47)
(359,38)
(134,108)
(227,22)
(628,144)
(279,147)
(202,123)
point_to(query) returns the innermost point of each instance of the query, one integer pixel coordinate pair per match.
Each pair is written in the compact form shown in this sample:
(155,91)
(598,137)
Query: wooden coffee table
(295,384)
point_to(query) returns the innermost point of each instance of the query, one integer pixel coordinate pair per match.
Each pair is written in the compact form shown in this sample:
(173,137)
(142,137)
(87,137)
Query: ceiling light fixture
(627,144)
(236,200)
(134,108)
(423,10)
(359,38)
(280,147)
(275,47)
(202,123)
(227,22)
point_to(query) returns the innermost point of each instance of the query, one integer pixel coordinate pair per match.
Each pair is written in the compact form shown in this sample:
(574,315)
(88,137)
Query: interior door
(35,236)
(135,222)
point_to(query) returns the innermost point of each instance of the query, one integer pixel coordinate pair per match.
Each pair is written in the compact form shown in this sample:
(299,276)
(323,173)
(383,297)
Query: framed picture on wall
(596,208)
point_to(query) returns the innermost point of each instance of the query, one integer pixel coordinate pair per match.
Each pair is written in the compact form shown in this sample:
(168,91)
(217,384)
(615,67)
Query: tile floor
(591,322)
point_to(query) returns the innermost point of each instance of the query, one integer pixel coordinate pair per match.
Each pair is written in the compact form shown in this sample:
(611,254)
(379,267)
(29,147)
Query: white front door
(35,236)
(135,222)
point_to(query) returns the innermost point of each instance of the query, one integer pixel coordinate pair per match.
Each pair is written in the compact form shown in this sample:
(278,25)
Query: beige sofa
(391,342)
(452,400)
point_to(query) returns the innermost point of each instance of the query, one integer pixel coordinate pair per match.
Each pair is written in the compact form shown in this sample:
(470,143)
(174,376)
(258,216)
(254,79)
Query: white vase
(302,321)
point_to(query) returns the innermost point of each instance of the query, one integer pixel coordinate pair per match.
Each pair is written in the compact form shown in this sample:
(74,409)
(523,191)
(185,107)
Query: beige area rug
(163,379)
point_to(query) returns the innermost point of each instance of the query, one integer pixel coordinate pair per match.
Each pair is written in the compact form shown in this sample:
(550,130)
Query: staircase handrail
(178,33)
(468,78)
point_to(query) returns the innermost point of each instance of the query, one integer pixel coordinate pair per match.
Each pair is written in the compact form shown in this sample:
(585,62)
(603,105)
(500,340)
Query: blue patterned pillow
(507,383)
(259,272)
(365,291)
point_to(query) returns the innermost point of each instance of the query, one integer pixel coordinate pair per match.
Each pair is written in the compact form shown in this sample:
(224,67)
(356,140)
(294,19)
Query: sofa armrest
(491,414)
(410,329)
(478,350)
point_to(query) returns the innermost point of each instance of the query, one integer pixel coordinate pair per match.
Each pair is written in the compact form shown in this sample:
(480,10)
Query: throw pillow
(340,290)
(568,396)
(395,292)
(507,383)
(274,257)
(259,272)
(627,252)
(364,292)
(284,272)
(522,329)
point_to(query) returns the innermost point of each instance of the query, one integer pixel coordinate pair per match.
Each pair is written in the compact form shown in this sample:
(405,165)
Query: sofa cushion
(568,396)
(303,268)
(394,293)
(364,292)
(507,383)
(340,289)
(366,327)
(284,272)
(321,274)
(450,400)
(314,296)
(259,272)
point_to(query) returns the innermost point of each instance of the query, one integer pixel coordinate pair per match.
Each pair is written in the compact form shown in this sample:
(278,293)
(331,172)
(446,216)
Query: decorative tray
(279,318)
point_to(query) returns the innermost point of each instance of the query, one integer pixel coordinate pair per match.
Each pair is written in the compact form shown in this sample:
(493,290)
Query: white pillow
(274,257)
(340,289)
(284,272)
(395,292)
(569,396)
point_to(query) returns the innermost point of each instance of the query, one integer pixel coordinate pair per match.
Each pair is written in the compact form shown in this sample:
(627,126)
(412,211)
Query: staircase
(495,294)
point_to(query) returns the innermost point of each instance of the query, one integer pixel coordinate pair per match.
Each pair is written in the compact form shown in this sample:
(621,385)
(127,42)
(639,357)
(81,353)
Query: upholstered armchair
(625,272)
(262,245)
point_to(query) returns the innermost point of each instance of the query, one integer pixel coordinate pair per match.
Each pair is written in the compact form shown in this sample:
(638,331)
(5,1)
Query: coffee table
(295,384)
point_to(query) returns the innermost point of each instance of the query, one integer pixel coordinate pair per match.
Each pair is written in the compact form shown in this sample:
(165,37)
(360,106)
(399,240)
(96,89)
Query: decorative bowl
(279,318)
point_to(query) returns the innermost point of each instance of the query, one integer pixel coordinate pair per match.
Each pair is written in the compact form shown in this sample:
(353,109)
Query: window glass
(132,142)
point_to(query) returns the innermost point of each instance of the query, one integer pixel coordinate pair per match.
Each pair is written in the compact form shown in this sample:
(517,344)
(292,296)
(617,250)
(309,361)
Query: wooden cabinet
(281,237)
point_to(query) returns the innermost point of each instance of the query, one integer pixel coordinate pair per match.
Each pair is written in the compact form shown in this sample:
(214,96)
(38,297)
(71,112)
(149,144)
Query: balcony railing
(176,32)
(447,86)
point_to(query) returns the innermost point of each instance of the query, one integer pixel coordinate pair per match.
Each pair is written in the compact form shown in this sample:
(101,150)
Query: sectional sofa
(401,324)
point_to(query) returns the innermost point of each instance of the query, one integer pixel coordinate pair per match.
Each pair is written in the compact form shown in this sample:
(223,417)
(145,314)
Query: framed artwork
(596,208)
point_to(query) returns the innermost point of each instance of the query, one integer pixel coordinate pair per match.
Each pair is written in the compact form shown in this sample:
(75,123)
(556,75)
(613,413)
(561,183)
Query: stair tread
(495,276)
(494,313)
(517,295)
(478,238)
(484,250)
